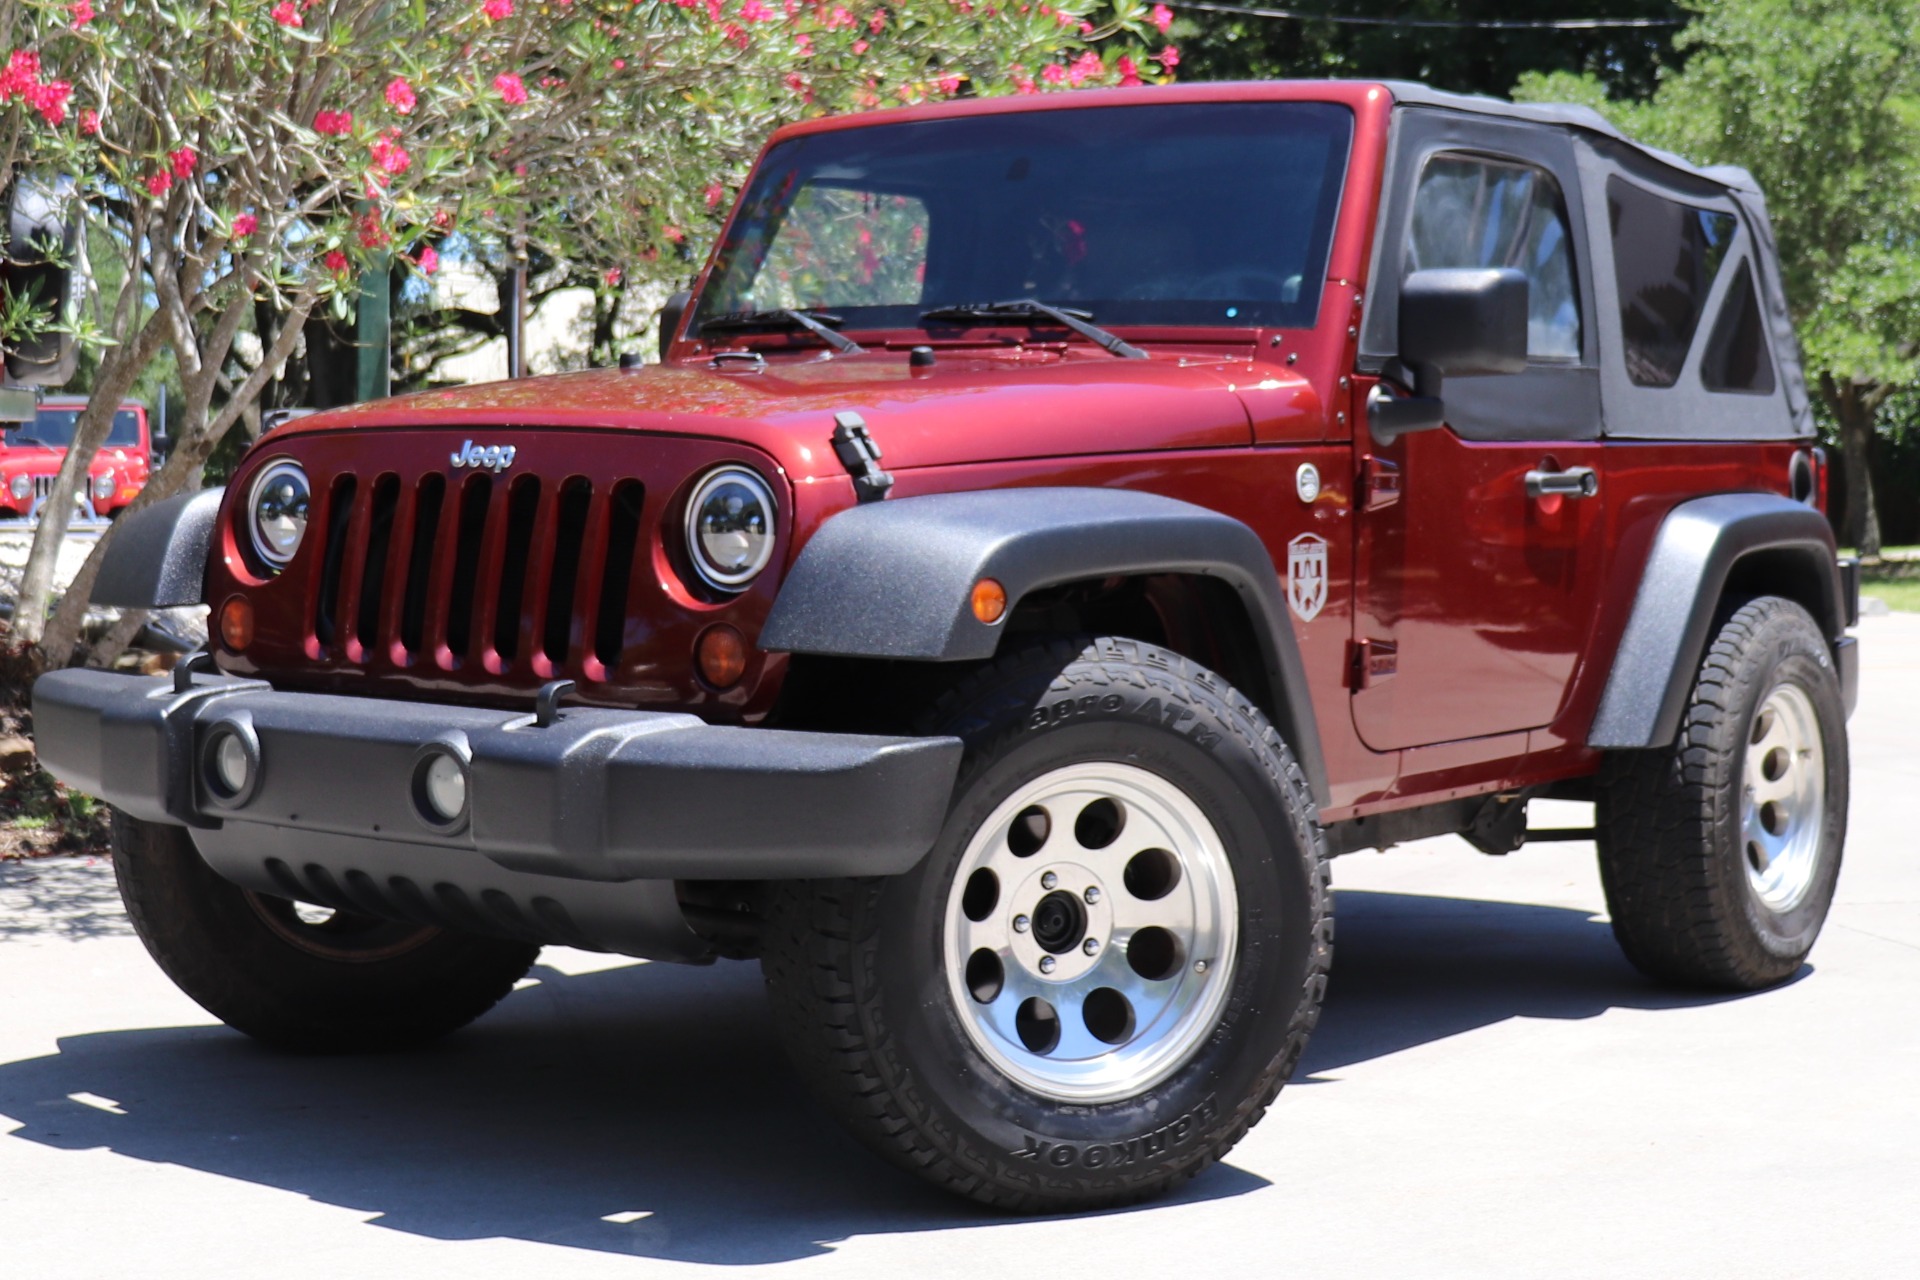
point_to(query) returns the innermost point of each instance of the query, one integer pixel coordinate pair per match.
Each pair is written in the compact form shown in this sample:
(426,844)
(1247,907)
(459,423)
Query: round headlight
(22,484)
(730,527)
(277,511)
(103,485)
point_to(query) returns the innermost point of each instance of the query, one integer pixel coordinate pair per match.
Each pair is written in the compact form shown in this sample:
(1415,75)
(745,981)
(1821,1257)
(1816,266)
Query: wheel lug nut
(1049,880)
(1047,963)
(1199,966)
(1090,946)
(1020,924)
(1093,895)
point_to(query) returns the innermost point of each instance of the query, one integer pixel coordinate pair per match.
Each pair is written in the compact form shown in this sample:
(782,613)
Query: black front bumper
(572,817)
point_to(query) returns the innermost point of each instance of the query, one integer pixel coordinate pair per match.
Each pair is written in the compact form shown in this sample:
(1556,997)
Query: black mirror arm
(1390,416)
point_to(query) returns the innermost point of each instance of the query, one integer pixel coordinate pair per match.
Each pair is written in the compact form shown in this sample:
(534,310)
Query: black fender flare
(1697,551)
(894,579)
(157,556)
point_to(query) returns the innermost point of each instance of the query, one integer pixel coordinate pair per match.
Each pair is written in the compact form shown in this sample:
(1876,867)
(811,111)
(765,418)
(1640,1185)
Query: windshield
(1185,214)
(55,427)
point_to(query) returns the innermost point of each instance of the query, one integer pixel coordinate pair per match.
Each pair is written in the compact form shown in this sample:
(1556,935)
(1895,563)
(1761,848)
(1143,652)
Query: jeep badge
(494,457)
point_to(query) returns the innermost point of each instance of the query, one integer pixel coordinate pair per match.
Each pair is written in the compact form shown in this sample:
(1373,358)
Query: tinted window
(55,427)
(1474,212)
(1186,214)
(1665,256)
(1736,358)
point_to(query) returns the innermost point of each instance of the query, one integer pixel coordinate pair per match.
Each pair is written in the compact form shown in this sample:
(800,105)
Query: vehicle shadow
(646,1109)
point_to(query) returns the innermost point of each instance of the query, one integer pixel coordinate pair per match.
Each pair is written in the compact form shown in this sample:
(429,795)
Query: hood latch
(854,445)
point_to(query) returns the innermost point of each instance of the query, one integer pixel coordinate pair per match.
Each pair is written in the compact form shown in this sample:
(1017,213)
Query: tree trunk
(1856,443)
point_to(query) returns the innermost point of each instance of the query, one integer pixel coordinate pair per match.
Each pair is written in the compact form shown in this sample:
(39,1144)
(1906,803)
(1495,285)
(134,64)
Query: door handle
(1574,482)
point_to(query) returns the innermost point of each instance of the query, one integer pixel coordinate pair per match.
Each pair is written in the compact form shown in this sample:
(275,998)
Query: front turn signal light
(989,601)
(721,653)
(236,623)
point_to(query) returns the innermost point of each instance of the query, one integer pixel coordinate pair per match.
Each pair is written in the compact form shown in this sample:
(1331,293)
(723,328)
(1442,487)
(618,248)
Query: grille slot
(339,519)
(569,542)
(622,542)
(476,496)
(427,502)
(523,506)
(373,578)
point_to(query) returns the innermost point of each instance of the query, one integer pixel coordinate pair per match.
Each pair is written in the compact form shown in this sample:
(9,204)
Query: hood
(972,406)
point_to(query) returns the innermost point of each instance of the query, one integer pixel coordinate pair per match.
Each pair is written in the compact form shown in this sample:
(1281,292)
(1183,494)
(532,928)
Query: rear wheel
(1720,854)
(1108,965)
(299,976)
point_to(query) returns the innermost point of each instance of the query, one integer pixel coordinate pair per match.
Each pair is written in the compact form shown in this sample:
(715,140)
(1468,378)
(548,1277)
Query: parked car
(1058,526)
(31,453)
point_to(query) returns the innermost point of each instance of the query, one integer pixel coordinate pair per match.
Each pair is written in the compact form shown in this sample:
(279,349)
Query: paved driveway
(1493,1092)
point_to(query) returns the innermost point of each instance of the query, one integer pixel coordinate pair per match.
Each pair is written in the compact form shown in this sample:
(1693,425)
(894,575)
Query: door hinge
(1379,482)
(1374,661)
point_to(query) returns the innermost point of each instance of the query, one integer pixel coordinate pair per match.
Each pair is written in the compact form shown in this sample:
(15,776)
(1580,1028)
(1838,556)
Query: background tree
(249,159)
(1820,99)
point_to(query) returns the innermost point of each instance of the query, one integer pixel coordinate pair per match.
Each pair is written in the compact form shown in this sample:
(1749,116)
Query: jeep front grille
(518,575)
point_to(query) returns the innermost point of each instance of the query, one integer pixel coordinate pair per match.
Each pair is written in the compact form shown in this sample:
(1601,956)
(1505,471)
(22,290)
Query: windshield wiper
(14,437)
(1033,309)
(813,321)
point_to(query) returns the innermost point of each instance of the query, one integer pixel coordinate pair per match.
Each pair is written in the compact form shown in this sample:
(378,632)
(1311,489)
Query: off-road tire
(855,966)
(408,984)
(1668,821)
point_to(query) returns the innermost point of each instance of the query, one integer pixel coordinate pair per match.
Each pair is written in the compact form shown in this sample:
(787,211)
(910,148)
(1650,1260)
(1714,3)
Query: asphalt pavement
(1493,1092)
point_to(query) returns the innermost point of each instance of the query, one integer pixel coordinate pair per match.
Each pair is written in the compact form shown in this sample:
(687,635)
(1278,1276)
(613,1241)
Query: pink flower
(373,233)
(21,75)
(50,100)
(612,277)
(511,91)
(497,10)
(245,225)
(336,262)
(877,21)
(755,11)
(337,124)
(159,183)
(1162,18)
(796,82)
(388,154)
(1129,71)
(1169,57)
(182,161)
(400,95)
(1087,66)
(428,259)
(674,233)
(89,122)
(443,218)
(286,15)
(860,46)
(839,18)
(803,45)
(715,194)
(619,64)
(82,13)
(949,84)
(1054,73)
(1025,84)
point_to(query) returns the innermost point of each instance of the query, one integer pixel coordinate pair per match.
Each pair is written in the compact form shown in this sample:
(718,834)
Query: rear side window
(1736,358)
(1473,211)
(1665,257)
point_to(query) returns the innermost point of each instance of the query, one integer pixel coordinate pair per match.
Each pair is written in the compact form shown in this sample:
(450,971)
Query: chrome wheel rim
(1091,933)
(1783,804)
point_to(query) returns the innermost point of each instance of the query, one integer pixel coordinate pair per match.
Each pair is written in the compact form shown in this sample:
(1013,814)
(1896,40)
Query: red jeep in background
(1058,525)
(31,453)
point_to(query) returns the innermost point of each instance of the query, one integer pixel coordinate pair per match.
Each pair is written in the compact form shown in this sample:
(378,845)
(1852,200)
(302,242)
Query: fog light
(445,787)
(230,764)
(236,623)
(989,601)
(722,655)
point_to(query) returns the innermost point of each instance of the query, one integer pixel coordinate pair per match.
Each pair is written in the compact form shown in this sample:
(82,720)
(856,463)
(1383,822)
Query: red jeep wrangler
(1057,526)
(31,453)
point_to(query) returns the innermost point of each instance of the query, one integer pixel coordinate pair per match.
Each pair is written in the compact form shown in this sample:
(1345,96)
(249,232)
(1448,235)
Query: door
(1479,545)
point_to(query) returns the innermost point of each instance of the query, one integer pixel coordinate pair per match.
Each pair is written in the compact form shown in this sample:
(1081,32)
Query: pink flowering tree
(250,160)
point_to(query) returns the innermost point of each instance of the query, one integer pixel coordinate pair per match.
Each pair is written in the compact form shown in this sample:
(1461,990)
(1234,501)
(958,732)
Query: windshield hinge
(854,445)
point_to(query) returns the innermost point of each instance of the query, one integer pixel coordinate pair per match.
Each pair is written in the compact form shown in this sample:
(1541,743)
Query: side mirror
(1454,322)
(670,317)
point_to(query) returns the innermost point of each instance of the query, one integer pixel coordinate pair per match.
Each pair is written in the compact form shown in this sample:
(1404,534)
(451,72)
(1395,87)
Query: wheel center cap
(1059,922)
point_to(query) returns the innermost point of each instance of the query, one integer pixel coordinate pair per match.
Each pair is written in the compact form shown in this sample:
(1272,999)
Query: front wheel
(1110,962)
